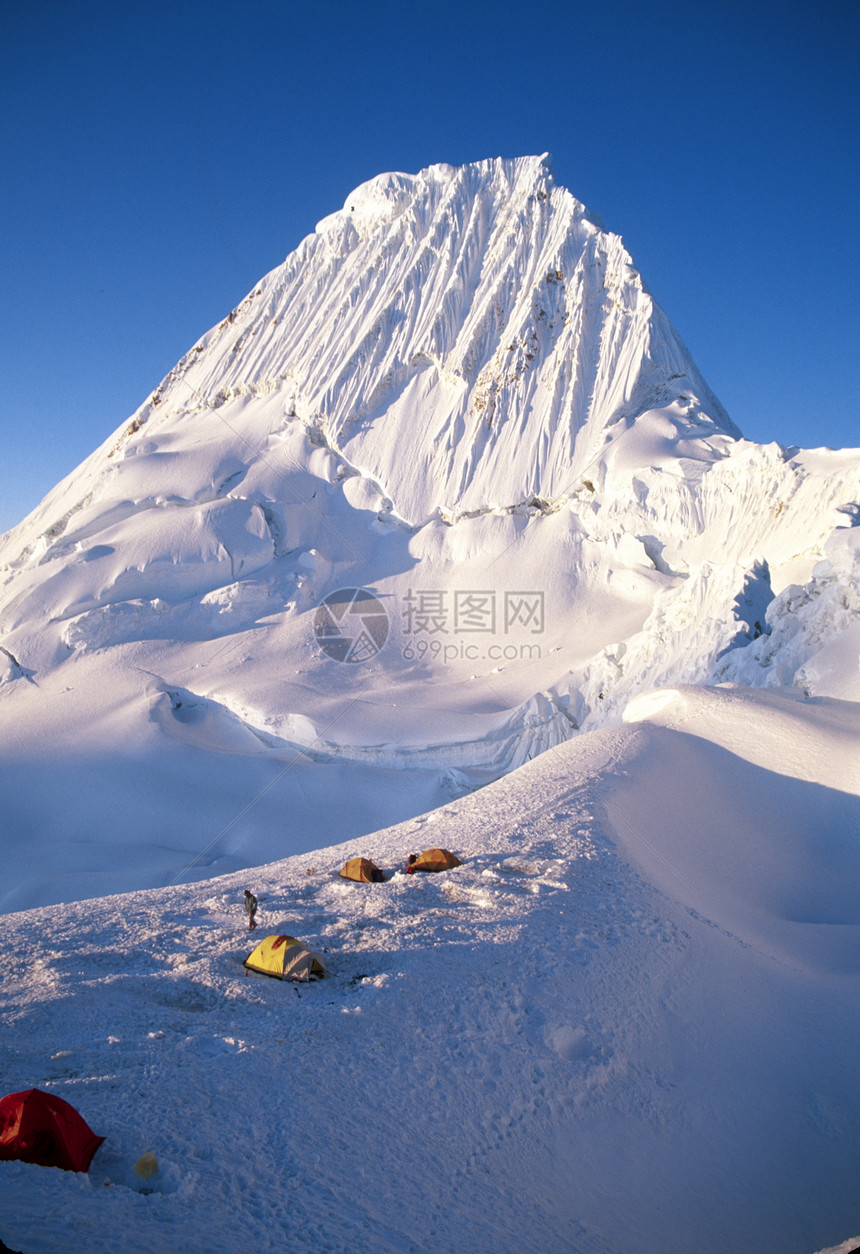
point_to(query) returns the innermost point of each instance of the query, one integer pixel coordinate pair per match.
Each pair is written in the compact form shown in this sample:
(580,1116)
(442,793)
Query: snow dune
(628,1021)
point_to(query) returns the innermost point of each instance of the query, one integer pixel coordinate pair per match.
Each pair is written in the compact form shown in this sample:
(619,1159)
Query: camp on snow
(37,1127)
(286,958)
(433,860)
(364,870)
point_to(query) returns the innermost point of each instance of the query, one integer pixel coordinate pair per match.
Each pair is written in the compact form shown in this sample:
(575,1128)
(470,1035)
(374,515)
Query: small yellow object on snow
(146,1166)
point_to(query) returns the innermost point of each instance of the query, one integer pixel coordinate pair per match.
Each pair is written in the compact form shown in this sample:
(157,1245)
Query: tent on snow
(363,870)
(433,860)
(286,958)
(37,1127)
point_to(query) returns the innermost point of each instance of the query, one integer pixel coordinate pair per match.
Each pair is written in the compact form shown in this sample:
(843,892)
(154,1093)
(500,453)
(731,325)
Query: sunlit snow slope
(458,394)
(628,1022)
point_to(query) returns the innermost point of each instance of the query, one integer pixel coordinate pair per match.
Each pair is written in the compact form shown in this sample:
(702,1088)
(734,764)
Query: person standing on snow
(250,908)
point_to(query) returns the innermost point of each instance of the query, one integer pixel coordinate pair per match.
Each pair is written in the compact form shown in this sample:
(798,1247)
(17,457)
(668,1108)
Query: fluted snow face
(468,338)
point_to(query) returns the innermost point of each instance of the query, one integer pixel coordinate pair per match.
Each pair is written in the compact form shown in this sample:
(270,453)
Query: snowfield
(628,1021)
(438,538)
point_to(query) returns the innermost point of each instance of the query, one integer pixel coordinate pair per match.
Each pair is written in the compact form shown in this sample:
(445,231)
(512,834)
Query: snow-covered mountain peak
(457,393)
(466,337)
(385,196)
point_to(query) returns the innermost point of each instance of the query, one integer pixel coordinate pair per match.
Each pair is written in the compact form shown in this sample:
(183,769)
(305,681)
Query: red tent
(38,1127)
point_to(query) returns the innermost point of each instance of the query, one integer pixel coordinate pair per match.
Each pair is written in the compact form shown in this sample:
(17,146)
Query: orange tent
(435,860)
(362,869)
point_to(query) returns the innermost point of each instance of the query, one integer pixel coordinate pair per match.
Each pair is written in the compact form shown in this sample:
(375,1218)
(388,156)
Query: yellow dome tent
(286,958)
(435,860)
(364,870)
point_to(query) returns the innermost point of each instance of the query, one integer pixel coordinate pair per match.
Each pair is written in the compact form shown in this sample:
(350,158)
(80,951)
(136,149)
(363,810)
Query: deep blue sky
(159,158)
